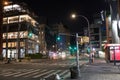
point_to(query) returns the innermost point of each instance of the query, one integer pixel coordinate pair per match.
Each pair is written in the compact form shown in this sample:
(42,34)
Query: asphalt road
(36,70)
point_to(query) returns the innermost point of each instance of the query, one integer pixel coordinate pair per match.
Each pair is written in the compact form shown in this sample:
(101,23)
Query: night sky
(57,11)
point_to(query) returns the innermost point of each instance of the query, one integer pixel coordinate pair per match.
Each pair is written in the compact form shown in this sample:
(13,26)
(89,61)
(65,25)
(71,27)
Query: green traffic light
(75,48)
(30,34)
(58,38)
(70,47)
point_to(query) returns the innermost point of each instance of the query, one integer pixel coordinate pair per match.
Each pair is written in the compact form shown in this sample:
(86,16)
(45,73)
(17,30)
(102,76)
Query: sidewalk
(99,70)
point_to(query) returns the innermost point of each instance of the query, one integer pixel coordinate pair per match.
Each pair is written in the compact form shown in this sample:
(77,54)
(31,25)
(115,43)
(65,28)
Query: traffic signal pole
(77,53)
(77,56)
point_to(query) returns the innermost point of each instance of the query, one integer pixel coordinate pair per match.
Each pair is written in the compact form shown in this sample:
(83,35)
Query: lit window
(4,45)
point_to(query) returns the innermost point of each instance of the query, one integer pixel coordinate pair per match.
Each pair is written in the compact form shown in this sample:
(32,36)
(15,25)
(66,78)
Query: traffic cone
(57,77)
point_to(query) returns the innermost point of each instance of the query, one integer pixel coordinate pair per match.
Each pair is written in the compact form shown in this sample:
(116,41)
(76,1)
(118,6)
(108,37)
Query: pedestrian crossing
(33,73)
(57,63)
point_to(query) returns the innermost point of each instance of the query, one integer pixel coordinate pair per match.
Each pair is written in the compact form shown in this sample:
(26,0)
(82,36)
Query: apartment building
(20,31)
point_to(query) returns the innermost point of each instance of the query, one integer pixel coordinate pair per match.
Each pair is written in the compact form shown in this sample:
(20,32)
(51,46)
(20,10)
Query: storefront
(112,53)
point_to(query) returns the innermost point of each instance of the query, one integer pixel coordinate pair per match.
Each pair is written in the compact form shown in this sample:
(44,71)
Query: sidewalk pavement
(99,70)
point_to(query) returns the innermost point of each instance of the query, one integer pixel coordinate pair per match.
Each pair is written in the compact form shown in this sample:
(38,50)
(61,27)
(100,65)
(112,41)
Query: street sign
(85,39)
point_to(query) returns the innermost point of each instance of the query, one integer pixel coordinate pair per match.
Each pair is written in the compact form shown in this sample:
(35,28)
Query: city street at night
(59,39)
(45,69)
(36,70)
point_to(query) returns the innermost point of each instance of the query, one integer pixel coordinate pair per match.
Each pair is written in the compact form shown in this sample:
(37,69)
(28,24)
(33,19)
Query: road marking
(18,72)
(66,71)
(35,73)
(26,73)
(52,74)
(43,74)
(12,74)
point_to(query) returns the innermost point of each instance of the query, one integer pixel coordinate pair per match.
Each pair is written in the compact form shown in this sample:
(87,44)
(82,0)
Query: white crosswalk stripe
(61,74)
(52,74)
(20,71)
(33,73)
(39,75)
(26,73)
(12,74)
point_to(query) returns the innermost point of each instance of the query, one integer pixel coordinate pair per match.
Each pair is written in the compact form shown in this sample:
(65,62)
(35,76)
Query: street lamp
(77,55)
(88,26)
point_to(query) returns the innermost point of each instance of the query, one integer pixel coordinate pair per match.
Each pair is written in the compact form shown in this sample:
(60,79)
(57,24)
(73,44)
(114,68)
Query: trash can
(74,72)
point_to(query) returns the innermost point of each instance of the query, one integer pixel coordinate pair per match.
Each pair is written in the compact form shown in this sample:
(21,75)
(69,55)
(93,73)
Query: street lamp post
(88,26)
(77,55)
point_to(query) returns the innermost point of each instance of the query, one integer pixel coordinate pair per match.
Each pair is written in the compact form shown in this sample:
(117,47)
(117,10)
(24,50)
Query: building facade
(20,31)
(98,32)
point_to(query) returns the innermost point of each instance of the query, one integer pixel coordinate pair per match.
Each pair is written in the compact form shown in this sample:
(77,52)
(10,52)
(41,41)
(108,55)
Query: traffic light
(75,48)
(70,47)
(58,38)
(30,34)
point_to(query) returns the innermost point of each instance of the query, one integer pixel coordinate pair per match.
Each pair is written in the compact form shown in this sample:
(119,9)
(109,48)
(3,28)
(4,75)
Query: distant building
(63,32)
(97,33)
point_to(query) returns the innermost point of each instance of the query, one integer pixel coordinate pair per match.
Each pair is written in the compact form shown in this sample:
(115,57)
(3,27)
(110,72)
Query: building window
(12,7)
(5,20)
(4,35)
(22,44)
(4,45)
(13,19)
(12,35)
